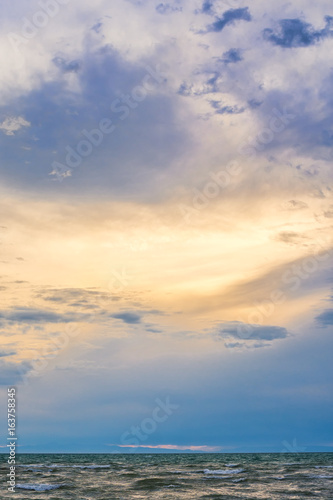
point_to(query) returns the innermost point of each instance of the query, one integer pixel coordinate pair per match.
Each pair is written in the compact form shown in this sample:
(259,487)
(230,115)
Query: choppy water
(184,476)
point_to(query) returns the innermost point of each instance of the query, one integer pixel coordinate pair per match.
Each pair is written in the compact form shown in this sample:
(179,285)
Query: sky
(165,225)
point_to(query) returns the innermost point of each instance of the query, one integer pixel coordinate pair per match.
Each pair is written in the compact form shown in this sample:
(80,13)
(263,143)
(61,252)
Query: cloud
(203,448)
(207,8)
(325,318)
(68,295)
(166,8)
(12,373)
(104,80)
(291,237)
(128,317)
(292,33)
(67,66)
(243,331)
(97,27)
(13,124)
(154,330)
(4,354)
(226,110)
(230,17)
(232,56)
(29,315)
(294,205)
(329,213)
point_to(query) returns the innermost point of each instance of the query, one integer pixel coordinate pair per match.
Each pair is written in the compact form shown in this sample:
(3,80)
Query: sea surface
(162,476)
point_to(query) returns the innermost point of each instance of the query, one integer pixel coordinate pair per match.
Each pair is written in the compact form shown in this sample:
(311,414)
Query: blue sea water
(170,476)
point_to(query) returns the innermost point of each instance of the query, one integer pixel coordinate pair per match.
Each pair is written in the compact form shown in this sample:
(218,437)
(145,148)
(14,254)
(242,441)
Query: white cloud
(12,124)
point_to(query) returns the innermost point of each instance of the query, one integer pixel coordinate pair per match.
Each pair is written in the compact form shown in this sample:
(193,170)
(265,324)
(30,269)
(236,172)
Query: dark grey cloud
(233,345)
(166,8)
(210,86)
(60,118)
(13,373)
(307,114)
(291,237)
(221,109)
(73,295)
(297,33)
(294,205)
(67,66)
(230,17)
(30,315)
(207,8)
(325,318)
(232,56)
(254,103)
(97,27)
(84,305)
(243,331)
(129,317)
(329,213)
(4,354)
(153,330)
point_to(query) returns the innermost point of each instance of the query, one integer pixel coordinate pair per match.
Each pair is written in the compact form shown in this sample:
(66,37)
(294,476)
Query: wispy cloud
(176,447)
(228,18)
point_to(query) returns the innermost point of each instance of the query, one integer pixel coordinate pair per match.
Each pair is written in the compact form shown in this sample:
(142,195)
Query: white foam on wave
(238,480)
(323,466)
(91,466)
(231,465)
(39,487)
(223,472)
(319,476)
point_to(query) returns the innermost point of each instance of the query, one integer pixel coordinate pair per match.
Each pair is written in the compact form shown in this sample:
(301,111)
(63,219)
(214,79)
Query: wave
(31,465)
(39,487)
(91,466)
(231,465)
(223,472)
(323,466)
(61,466)
(319,476)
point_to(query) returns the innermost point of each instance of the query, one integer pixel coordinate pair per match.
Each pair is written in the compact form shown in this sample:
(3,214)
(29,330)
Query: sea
(170,476)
